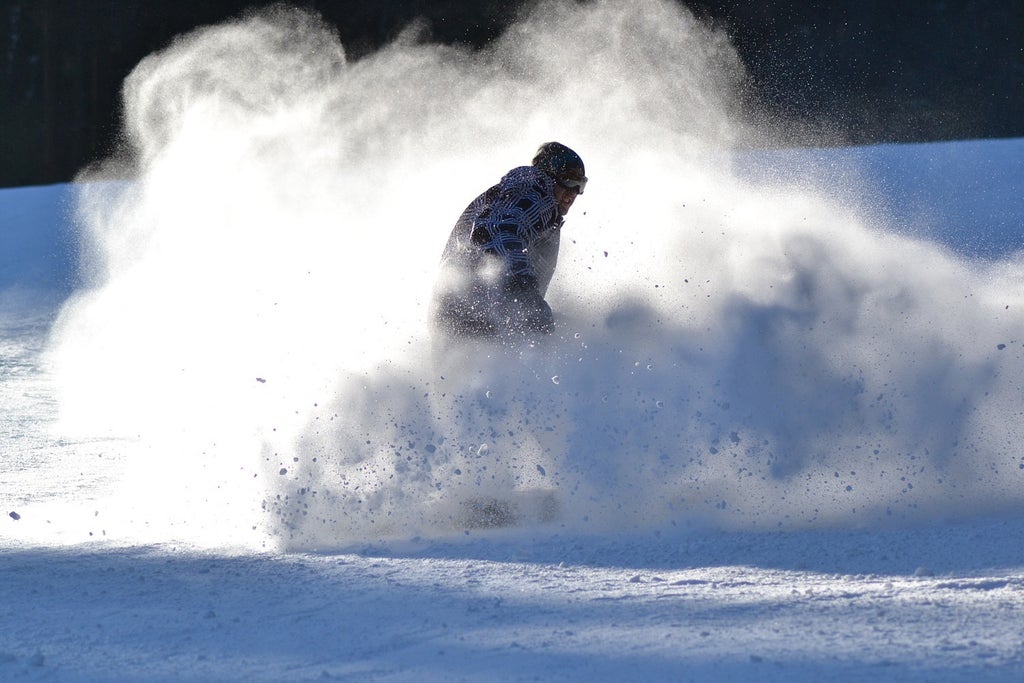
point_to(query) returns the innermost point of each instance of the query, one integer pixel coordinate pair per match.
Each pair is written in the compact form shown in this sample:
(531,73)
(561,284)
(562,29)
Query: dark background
(852,72)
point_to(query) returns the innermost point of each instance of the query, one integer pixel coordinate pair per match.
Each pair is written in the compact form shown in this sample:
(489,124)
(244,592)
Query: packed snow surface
(781,416)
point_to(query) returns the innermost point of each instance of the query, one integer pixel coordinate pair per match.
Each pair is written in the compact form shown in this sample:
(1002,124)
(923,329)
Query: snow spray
(747,354)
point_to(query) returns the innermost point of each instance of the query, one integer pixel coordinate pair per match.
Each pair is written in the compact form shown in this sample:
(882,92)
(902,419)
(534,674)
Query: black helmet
(562,164)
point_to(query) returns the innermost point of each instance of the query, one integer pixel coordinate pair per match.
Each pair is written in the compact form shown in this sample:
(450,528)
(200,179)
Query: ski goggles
(573,183)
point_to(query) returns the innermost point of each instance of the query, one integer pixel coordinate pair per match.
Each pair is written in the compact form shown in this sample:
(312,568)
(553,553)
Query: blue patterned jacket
(500,257)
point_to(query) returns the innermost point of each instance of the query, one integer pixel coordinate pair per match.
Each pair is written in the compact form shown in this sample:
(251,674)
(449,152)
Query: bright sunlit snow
(780,418)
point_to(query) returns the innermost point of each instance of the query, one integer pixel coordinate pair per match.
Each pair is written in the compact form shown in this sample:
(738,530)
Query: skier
(502,252)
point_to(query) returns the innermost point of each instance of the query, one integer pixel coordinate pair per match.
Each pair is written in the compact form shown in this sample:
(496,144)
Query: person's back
(502,252)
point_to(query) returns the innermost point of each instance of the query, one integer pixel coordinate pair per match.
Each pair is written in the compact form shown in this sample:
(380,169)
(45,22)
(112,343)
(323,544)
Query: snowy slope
(841,606)
(938,600)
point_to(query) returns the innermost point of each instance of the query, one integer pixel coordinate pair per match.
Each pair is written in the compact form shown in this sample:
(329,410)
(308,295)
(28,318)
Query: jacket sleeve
(507,237)
(514,222)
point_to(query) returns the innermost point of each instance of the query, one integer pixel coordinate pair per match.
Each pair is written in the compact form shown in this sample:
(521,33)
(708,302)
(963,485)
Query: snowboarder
(501,255)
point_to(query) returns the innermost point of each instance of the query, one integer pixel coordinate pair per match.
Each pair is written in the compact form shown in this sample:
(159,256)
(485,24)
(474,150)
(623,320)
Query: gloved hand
(529,311)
